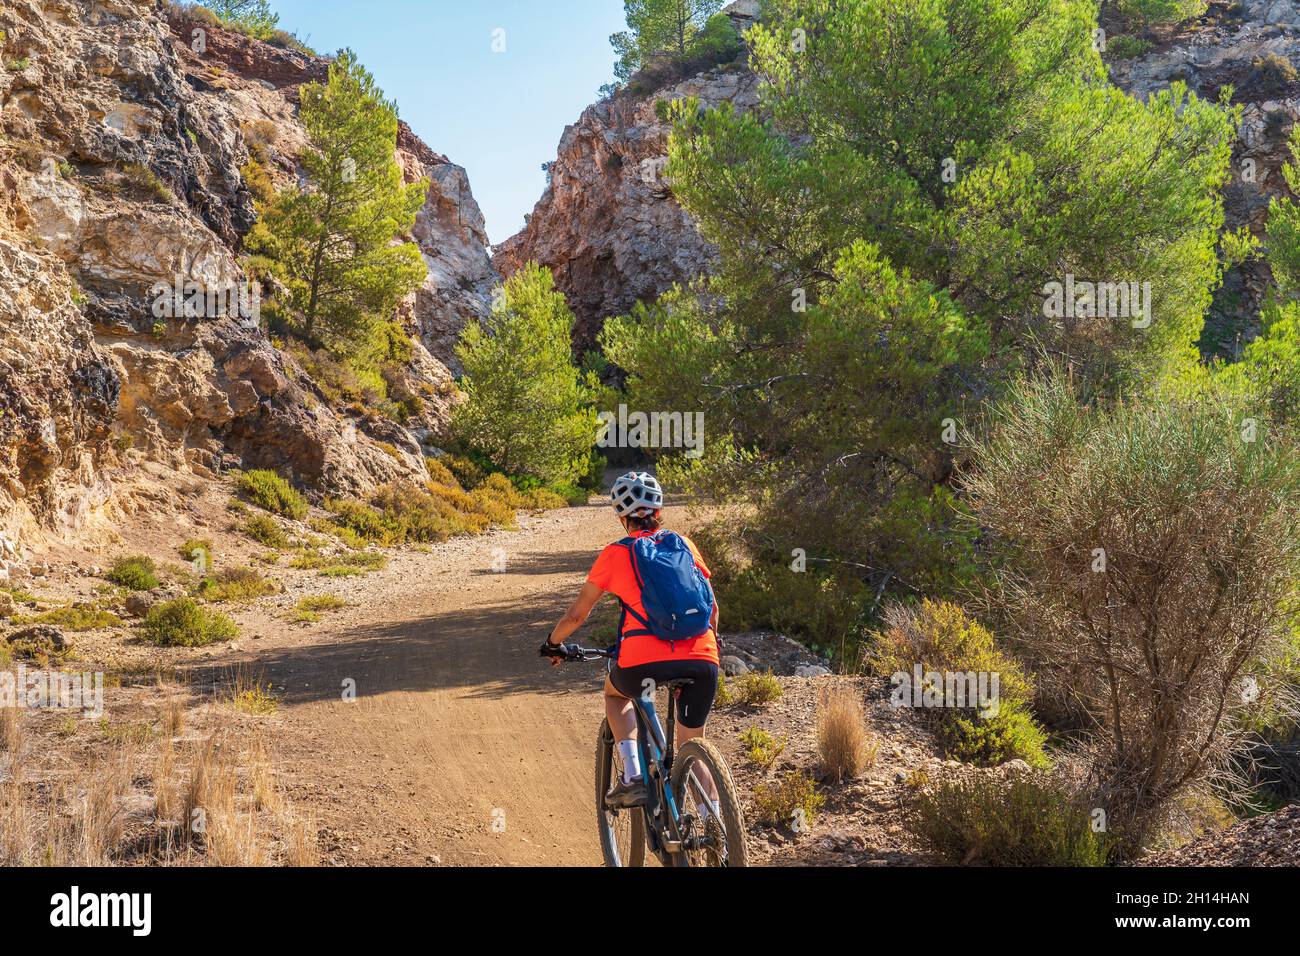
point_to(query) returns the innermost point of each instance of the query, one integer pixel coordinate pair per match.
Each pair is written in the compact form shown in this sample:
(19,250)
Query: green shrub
(440,473)
(135,572)
(1148,552)
(146,180)
(1023,820)
(755,690)
(272,493)
(197,549)
(942,639)
(185,623)
(722,696)
(346,565)
(236,584)
(533,419)
(469,474)
(265,530)
(761,748)
(308,610)
(1126,47)
(791,801)
(83,618)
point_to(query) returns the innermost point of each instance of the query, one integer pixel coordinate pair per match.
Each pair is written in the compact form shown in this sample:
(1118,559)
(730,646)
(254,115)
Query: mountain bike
(670,825)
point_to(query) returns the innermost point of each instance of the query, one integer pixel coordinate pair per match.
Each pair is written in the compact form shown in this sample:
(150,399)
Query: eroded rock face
(134,131)
(452,236)
(1231,46)
(607,225)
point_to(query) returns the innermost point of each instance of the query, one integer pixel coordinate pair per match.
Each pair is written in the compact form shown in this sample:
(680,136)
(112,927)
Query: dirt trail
(462,746)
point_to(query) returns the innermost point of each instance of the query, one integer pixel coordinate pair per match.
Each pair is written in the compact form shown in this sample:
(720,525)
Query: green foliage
(78,618)
(406,513)
(1125,47)
(754,689)
(792,800)
(526,405)
(240,585)
(265,530)
(1161,11)
(887,226)
(942,639)
(1022,820)
(667,29)
(146,180)
(135,572)
(331,244)
(272,493)
(761,748)
(351,564)
(253,17)
(185,623)
(308,610)
(1148,553)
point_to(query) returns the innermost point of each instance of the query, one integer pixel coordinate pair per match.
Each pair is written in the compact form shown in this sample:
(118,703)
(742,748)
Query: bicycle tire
(731,818)
(622,832)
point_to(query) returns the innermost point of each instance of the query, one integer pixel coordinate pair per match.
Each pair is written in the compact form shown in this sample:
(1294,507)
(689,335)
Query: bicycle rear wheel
(721,838)
(622,832)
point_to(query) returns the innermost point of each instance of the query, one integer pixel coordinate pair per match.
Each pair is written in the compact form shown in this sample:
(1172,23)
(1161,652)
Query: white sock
(631,760)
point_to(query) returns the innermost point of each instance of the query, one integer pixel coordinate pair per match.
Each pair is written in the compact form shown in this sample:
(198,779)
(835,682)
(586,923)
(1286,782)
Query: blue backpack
(677,597)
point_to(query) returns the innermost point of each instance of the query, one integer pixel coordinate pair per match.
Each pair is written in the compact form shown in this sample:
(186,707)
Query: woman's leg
(618,711)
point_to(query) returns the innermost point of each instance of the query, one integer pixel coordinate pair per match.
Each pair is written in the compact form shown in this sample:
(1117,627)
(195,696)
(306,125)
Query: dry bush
(844,745)
(173,716)
(17,839)
(166,798)
(100,819)
(266,796)
(11,731)
(300,847)
(247,691)
(210,805)
(1149,556)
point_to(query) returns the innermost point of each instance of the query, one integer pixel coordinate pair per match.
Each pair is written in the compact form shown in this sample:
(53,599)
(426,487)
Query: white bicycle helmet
(636,493)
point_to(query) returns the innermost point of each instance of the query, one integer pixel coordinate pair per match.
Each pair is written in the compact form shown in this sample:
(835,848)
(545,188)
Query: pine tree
(330,242)
(660,27)
(255,16)
(527,408)
(886,224)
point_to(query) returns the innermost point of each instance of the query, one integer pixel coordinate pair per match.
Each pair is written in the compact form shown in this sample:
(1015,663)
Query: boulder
(40,639)
(733,666)
(138,603)
(812,670)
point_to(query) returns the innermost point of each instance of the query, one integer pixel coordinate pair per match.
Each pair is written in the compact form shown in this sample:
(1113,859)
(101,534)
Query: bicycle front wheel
(718,826)
(622,832)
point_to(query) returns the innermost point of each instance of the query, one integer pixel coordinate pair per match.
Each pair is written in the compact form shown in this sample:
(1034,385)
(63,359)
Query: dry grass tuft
(845,746)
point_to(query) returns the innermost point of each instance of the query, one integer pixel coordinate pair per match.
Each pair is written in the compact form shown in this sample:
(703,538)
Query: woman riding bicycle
(643,660)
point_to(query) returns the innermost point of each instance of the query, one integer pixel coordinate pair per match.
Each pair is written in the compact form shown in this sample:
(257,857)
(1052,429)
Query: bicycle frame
(655,747)
(656,752)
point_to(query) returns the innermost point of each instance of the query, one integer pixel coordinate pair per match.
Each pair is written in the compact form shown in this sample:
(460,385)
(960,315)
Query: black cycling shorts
(693,702)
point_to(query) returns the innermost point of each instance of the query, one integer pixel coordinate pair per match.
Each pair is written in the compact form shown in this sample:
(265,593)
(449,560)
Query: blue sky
(500,115)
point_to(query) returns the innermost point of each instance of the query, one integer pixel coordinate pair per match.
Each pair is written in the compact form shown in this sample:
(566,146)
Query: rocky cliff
(607,225)
(126,127)
(609,229)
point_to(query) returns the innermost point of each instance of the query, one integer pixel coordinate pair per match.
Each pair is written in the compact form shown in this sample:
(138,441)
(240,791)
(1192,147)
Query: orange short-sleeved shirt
(613,572)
